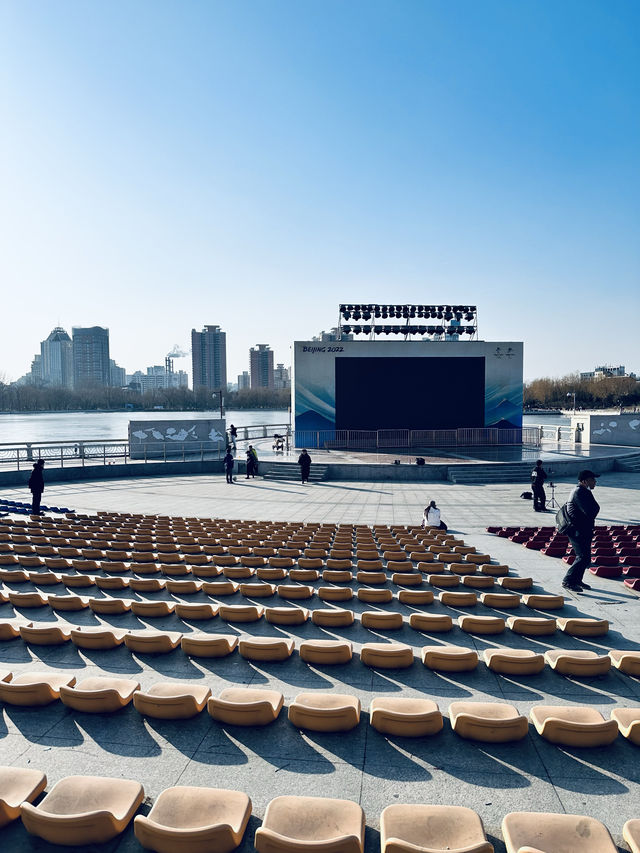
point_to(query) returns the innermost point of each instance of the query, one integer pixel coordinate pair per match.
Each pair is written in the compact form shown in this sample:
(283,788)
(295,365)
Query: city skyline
(165,165)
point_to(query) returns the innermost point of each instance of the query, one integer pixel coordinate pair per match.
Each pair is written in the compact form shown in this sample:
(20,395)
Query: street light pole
(218,391)
(573,394)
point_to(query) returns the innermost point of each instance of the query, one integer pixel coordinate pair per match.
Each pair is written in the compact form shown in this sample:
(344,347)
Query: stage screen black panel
(409,393)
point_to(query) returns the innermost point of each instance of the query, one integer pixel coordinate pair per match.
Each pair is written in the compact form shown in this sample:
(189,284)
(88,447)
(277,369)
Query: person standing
(36,485)
(251,463)
(228,465)
(304,461)
(255,459)
(538,477)
(432,517)
(233,434)
(582,509)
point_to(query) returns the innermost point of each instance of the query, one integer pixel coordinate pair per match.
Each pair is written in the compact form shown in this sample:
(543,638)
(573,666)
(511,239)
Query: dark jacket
(582,509)
(36,480)
(229,461)
(538,476)
(304,460)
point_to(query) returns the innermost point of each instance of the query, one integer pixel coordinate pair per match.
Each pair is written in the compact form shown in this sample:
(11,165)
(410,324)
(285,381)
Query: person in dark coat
(582,509)
(538,476)
(304,461)
(251,463)
(228,465)
(36,485)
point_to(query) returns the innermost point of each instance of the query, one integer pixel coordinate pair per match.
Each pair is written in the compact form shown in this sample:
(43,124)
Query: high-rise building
(117,375)
(281,378)
(261,366)
(57,359)
(209,358)
(244,381)
(90,356)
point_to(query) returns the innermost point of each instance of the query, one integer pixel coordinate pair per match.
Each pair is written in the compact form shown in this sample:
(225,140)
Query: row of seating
(382,655)
(84,810)
(493,722)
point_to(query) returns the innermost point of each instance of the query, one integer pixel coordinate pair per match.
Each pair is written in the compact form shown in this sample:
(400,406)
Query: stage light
(357,330)
(366,330)
(448,315)
(366,315)
(357,315)
(377,311)
(439,315)
(468,316)
(422,330)
(470,330)
(346,330)
(346,315)
(458,315)
(439,330)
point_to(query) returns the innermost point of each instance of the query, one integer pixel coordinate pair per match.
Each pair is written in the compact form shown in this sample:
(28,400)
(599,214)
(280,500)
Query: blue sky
(166,165)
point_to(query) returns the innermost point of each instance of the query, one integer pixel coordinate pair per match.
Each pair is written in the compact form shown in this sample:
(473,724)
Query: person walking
(432,517)
(538,477)
(582,509)
(36,485)
(228,465)
(304,461)
(233,434)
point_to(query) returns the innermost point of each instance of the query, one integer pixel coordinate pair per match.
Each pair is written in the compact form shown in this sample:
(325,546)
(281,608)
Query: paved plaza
(362,765)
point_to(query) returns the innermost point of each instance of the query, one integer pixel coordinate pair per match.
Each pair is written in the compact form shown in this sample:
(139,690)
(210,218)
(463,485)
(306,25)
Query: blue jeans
(582,549)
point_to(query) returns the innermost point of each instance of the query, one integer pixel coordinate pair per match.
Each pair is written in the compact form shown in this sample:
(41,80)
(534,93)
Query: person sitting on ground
(36,486)
(432,517)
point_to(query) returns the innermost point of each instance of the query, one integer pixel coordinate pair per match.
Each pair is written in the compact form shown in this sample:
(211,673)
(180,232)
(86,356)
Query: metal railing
(396,439)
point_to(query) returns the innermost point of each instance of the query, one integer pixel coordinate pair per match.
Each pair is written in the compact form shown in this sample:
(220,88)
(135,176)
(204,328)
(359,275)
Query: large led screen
(409,393)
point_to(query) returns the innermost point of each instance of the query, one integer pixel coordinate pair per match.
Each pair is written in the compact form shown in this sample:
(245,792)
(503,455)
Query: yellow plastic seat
(295,591)
(494,569)
(44,578)
(583,627)
(458,599)
(18,785)
(332,617)
(491,722)
(30,689)
(266,648)
(152,642)
(463,568)
(116,582)
(217,588)
(10,629)
(325,652)
(303,575)
(325,712)
(514,661)
(101,637)
(443,581)
(530,832)
(631,834)
(372,578)
(381,620)
(183,587)
(626,660)
(27,599)
(532,626)
(405,717)
(99,695)
(482,624)
(208,645)
(286,615)
(241,612)
(418,828)
(478,581)
(407,578)
(334,593)
(312,824)
(196,612)
(172,700)
(515,583)
(110,605)
(238,572)
(628,720)
(543,602)
(339,565)
(43,634)
(270,574)
(415,596)
(257,590)
(194,820)
(431,622)
(449,658)
(502,600)
(337,576)
(571,725)
(579,662)
(386,655)
(479,559)
(83,810)
(246,706)
(375,596)
(153,609)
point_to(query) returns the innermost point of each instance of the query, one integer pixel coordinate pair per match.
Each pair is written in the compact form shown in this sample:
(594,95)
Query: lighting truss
(360,318)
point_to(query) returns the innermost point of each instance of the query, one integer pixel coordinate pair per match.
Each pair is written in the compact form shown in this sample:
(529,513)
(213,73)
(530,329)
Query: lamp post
(218,391)
(573,394)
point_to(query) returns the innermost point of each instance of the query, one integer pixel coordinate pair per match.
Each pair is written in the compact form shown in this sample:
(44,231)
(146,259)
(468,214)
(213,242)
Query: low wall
(620,430)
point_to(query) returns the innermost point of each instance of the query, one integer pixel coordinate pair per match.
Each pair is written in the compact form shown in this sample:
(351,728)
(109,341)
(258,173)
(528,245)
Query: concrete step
(630,464)
(291,471)
(516,472)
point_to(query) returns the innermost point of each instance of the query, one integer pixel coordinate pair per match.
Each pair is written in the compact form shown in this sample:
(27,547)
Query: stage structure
(438,385)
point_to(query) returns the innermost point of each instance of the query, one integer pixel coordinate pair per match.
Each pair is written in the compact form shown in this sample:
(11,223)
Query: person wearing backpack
(582,510)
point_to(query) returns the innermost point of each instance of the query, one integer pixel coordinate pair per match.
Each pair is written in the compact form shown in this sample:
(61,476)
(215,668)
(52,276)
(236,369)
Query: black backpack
(563,521)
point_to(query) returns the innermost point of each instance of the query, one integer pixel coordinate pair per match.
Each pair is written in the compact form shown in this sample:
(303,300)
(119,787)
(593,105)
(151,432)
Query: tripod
(553,503)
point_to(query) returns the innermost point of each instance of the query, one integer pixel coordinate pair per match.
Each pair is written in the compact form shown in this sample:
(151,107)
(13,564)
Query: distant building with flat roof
(261,366)
(90,356)
(209,358)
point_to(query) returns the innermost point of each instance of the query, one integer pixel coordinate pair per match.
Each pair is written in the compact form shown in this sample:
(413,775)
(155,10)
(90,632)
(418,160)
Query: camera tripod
(553,503)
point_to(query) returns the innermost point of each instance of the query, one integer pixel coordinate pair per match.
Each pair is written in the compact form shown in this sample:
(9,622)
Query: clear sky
(253,163)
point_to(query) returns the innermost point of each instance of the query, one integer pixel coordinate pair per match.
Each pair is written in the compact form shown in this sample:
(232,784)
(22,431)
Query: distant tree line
(607,393)
(34,398)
